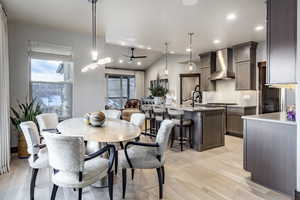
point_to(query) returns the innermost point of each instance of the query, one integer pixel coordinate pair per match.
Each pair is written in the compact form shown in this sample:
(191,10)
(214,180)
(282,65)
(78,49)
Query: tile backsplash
(226,93)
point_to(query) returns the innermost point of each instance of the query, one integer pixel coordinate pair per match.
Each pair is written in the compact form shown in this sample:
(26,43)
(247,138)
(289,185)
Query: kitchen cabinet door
(206,83)
(234,124)
(212,129)
(281,41)
(245,76)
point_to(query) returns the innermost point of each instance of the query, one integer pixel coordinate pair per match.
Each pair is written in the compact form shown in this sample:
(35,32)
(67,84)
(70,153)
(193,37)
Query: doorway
(269,98)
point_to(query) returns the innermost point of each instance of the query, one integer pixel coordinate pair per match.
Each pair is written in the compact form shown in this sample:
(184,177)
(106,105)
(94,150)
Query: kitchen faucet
(196,90)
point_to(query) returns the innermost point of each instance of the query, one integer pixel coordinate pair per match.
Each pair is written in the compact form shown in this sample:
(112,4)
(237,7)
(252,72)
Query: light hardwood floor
(216,174)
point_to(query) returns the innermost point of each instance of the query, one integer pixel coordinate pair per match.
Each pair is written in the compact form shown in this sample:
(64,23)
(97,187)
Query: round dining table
(113,130)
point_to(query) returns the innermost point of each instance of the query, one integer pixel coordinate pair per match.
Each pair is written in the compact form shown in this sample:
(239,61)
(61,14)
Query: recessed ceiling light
(231,16)
(139,63)
(149,48)
(216,41)
(123,43)
(172,52)
(259,28)
(141,46)
(188,50)
(121,61)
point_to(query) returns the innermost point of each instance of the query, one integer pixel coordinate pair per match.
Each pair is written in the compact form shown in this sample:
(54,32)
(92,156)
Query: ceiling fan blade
(139,56)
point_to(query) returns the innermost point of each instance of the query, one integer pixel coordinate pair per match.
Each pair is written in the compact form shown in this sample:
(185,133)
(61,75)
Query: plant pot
(22,147)
(158,100)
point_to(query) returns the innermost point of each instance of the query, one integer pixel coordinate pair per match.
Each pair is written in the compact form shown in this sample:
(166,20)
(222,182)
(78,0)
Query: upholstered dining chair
(47,122)
(38,152)
(112,114)
(72,169)
(138,119)
(137,155)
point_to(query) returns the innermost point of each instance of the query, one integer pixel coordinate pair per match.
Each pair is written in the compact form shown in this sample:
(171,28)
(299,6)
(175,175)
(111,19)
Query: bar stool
(148,111)
(180,122)
(159,115)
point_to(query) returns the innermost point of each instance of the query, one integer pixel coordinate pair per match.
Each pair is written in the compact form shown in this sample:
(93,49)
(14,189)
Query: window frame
(120,77)
(71,82)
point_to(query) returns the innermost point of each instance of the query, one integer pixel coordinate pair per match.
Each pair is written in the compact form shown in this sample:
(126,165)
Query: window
(120,88)
(51,85)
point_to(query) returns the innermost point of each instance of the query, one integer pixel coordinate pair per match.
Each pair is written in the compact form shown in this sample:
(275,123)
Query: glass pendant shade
(166,72)
(191,66)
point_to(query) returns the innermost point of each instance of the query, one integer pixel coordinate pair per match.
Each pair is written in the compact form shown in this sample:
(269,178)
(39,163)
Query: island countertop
(277,117)
(188,108)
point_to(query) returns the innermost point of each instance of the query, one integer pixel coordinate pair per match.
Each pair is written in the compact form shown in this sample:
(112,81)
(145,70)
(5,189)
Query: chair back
(66,153)
(138,119)
(163,135)
(32,136)
(112,114)
(133,103)
(47,121)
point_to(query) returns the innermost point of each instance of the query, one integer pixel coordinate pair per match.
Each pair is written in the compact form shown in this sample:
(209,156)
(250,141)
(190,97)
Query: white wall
(88,88)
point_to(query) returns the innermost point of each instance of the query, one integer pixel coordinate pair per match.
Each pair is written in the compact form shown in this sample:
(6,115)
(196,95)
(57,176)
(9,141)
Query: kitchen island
(208,125)
(270,146)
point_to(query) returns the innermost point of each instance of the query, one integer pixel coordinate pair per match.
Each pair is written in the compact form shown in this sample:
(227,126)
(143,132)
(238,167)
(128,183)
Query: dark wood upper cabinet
(207,66)
(281,41)
(245,66)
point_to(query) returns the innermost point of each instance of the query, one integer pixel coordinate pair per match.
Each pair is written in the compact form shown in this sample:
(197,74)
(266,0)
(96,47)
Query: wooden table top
(113,130)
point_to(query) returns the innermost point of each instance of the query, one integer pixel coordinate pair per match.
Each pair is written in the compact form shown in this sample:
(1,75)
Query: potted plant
(25,112)
(158,92)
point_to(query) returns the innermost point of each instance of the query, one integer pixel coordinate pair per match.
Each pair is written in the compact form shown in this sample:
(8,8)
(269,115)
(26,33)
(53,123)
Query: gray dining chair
(38,152)
(138,155)
(72,169)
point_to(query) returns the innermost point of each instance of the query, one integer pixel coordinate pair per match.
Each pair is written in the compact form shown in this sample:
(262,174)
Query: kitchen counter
(240,106)
(278,117)
(208,127)
(197,108)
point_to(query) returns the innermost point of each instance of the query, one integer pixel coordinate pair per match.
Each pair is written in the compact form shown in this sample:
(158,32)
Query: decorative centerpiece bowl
(96,119)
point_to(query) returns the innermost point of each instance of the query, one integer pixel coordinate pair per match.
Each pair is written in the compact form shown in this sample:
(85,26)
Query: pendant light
(94,52)
(166,72)
(191,65)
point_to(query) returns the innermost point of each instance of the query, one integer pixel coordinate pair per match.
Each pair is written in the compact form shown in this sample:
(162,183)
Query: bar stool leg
(172,137)
(181,138)
(146,126)
(191,137)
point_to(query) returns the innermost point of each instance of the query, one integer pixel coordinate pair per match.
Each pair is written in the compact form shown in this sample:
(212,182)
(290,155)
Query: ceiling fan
(132,57)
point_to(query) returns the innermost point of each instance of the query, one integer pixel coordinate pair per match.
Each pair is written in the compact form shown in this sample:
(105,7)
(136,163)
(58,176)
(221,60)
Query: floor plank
(216,174)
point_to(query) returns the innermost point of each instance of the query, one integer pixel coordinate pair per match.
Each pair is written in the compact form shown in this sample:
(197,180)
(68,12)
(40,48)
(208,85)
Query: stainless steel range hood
(224,65)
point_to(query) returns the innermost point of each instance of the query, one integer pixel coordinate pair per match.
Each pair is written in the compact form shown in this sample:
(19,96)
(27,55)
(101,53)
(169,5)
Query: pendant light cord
(191,50)
(166,51)
(94,27)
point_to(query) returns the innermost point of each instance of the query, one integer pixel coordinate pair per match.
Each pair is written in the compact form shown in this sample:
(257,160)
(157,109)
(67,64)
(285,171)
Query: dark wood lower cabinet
(270,154)
(208,129)
(212,129)
(234,122)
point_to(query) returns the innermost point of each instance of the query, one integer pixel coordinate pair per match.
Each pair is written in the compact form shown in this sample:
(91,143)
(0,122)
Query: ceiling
(149,23)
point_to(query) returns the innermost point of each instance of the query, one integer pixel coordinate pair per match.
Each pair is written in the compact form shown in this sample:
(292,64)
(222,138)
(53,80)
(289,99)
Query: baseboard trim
(13,149)
(234,134)
(297,195)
